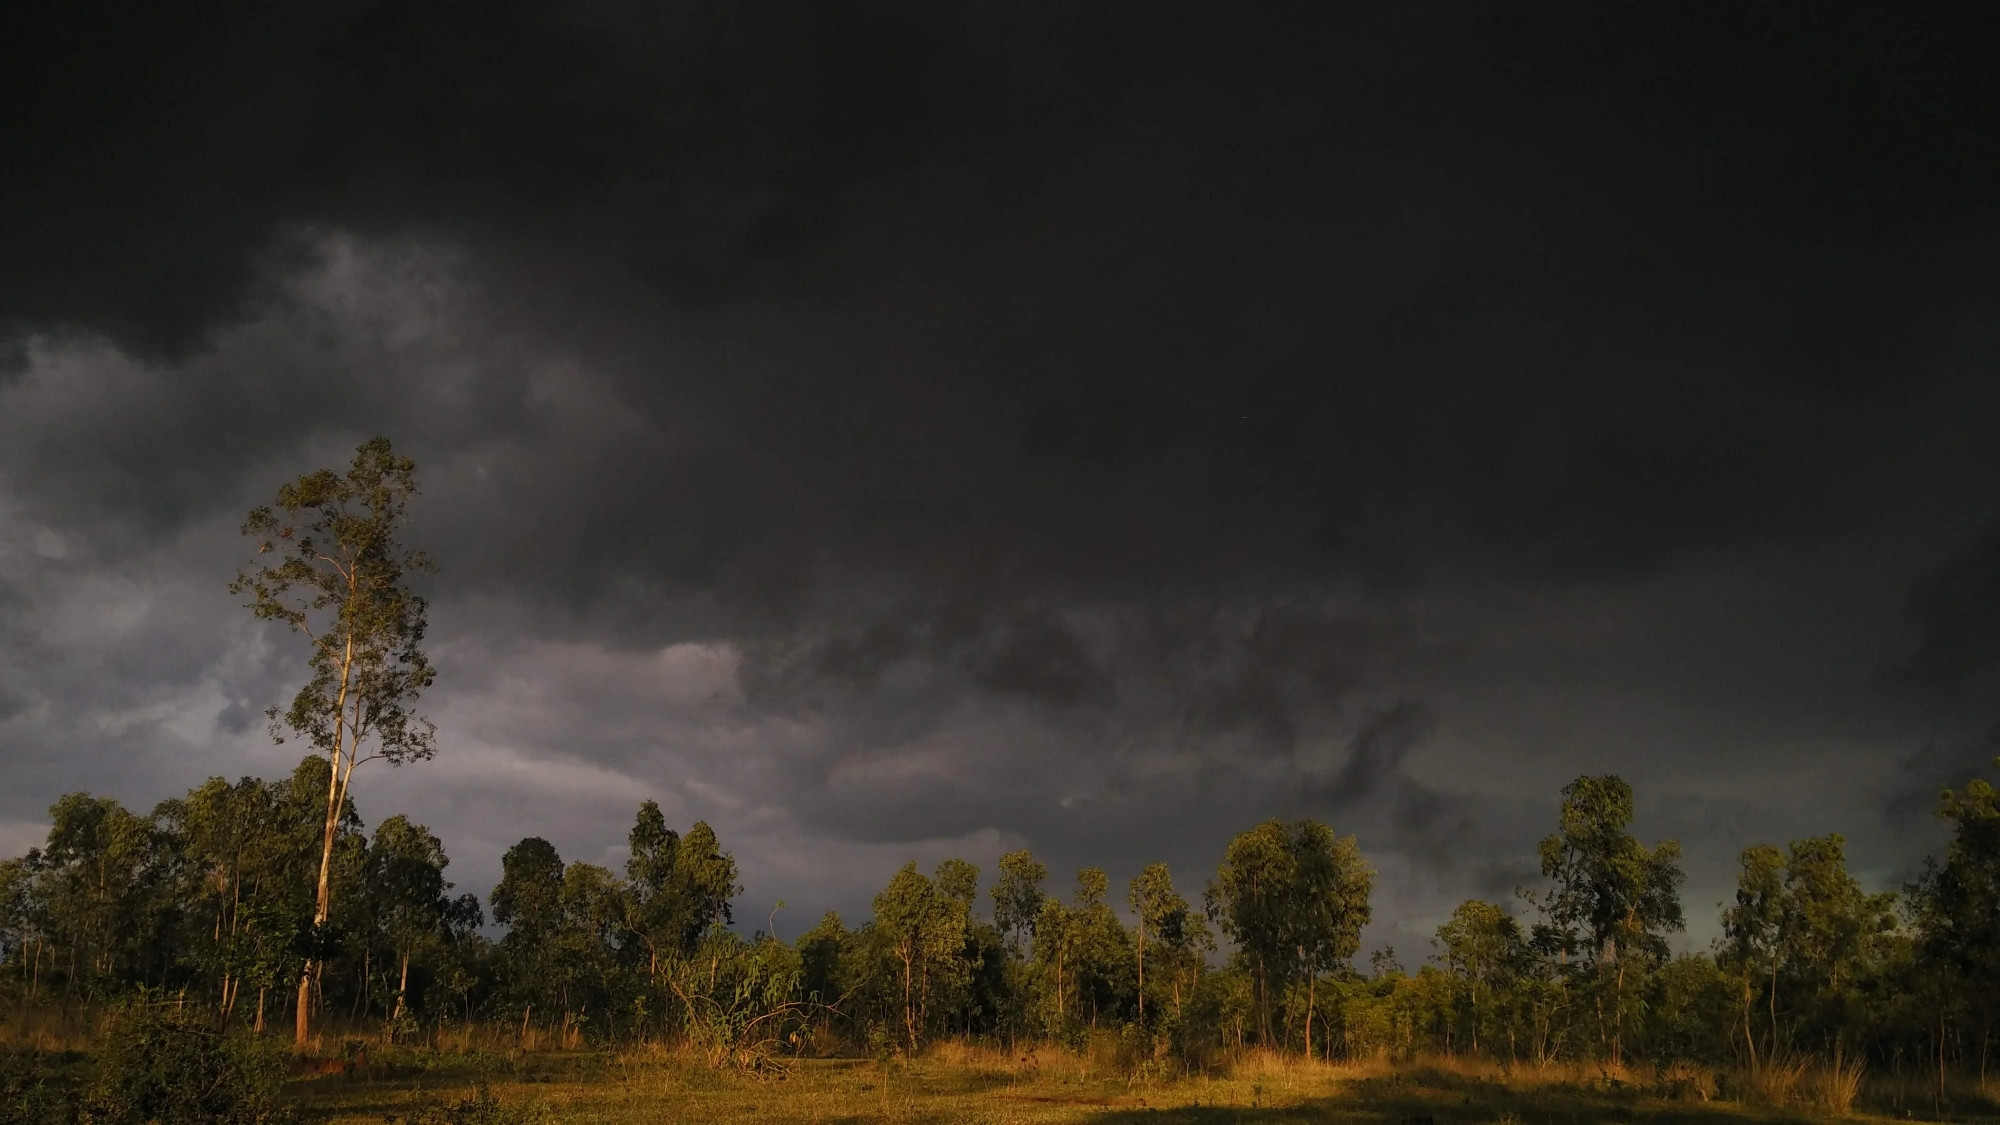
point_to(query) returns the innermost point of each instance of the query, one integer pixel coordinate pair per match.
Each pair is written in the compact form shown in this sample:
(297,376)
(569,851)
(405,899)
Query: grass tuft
(1773,1080)
(1833,1086)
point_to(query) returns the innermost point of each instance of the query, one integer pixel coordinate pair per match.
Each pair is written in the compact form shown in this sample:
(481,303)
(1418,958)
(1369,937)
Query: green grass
(963,1086)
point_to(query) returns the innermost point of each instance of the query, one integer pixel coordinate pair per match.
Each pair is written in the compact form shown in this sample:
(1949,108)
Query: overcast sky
(895,431)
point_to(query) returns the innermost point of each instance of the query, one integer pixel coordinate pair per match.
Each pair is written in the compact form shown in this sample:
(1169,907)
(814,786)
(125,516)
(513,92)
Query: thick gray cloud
(893,432)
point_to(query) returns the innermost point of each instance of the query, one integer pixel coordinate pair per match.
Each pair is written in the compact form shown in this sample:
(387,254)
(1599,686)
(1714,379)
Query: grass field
(958,1085)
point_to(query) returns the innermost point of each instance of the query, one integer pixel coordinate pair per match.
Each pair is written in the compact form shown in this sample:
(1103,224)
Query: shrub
(161,1066)
(26,1095)
(1685,1080)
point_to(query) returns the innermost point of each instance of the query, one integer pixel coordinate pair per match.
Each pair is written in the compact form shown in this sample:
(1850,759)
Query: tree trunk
(1618,1018)
(1060,1014)
(1475,1022)
(909,1012)
(1142,968)
(1938,1102)
(1312,994)
(360,1009)
(402,990)
(301,1020)
(1749,1040)
(1772,1047)
(1263,1004)
(323,899)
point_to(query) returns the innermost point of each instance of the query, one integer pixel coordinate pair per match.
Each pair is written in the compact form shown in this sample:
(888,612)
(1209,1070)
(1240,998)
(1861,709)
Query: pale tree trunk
(1475,1021)
(1061,1012)
(1773,1045)
(1312,995)
(1142,968)
(1263,1004)
(335,790)
(361,994)
(1618,1018)
(1939,1101)
(402,990)
(909,1012)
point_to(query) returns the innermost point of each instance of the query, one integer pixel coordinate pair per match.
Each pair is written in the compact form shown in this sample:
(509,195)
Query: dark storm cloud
(1377,752)
(1957,610)
(1103,427)
(1096,298)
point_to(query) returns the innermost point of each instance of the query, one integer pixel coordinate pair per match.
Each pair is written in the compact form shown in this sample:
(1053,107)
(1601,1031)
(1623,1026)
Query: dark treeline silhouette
(211,899)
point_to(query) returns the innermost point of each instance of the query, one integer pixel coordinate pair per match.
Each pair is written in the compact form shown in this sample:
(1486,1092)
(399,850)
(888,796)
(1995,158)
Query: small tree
(1101,950)
(1251,898)
(405,878)
(1956,905)
(1158,906)
(1620,894)
(1482,944)
(1751,928)
(340,582)
(679,887)
(1017,896)
(1293,898)
(925,926)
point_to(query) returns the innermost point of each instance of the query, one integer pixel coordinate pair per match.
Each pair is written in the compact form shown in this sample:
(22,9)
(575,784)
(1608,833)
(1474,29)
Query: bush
(162,1066)
(26,1095)
(1685,1080)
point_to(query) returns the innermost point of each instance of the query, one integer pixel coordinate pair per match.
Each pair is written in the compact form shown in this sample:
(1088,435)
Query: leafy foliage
(163,1066)
(1813,979)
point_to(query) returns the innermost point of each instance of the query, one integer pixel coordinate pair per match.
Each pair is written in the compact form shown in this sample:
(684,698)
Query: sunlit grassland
(957,1084)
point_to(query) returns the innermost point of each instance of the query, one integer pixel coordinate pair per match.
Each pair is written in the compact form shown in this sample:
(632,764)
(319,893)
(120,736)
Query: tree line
(213,897)
(268,900)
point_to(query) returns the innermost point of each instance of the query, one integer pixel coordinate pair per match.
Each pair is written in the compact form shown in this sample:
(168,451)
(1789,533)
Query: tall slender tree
(1329,906)
(1620,895)
(925,927)
(1482,944)
(1158,908)
(340,580)
(1017,896)
(405,880)
(1751,928)
(1955,905)
(1250,897)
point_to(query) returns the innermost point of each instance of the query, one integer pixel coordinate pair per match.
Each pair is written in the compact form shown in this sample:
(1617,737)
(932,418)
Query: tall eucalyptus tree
(340,581)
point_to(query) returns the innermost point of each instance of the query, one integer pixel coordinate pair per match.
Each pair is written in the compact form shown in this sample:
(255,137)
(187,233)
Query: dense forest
(209,899)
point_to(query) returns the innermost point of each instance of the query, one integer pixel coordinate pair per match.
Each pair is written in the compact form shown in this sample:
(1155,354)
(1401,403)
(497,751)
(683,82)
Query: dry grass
(1833,1086)
(1773,1080)
(956,1082)
(1032,1085)
(1683,1080)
